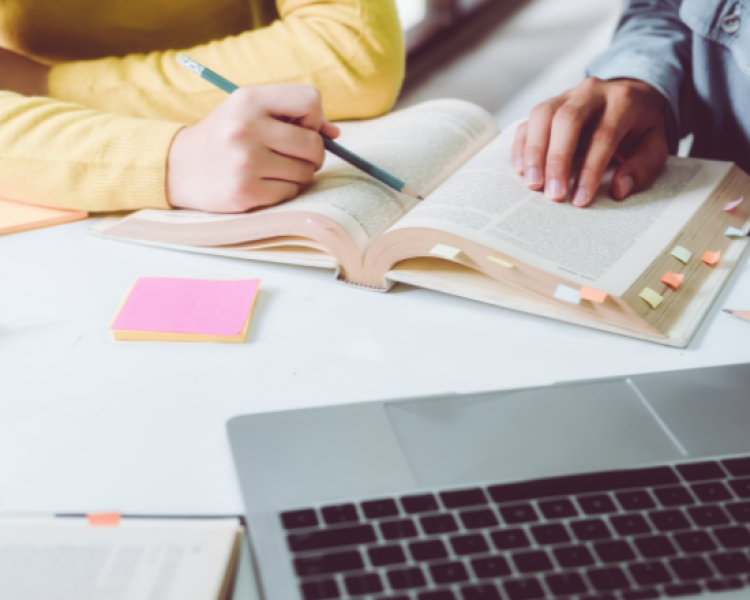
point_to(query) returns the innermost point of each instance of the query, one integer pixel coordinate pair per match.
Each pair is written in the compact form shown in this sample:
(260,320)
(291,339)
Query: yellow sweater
(117,97)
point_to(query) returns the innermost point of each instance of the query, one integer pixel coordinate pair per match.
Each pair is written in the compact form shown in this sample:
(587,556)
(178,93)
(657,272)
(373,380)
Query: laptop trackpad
(529,433)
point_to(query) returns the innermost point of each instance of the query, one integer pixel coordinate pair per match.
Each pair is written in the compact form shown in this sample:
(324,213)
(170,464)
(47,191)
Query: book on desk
(481,234)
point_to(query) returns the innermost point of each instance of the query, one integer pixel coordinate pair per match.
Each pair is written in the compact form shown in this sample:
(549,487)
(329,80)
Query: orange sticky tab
(104,519)
(587,293)
(711,258)
(673,280)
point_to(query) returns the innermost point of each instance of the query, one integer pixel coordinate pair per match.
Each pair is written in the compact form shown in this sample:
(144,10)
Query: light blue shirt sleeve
(651,44)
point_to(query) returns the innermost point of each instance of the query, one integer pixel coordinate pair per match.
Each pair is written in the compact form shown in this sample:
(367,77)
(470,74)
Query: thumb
(639,169)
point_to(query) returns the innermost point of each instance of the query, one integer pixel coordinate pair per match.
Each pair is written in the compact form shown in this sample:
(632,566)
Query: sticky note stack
(15,216)
(171,309)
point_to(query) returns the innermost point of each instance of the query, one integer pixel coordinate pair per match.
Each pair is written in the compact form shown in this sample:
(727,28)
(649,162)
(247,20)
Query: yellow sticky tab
(444,251)
(673,280)
(651,297)
(711,258)
(500,261)
(587,293)
(682,254)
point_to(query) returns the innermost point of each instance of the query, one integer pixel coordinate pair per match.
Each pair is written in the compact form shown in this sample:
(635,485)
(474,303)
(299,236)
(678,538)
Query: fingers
(294,141)
(330,130)
(283,168)
(639,169)
(519,147)
(270,191)
(537,141)
(303,103)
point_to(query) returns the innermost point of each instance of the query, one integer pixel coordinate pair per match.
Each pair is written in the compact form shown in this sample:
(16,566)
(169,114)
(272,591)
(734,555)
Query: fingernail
(554,189)
(626,184)
(533,176)
(581,198)
(518,164)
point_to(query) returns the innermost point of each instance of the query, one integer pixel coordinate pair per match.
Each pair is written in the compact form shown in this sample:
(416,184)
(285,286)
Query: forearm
(351,50)
(22,75)
(652,45)
(67,156)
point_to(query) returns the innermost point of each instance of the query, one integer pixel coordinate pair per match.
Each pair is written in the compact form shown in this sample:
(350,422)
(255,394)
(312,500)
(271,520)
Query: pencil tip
(729,312)
(420,198)
(410,192)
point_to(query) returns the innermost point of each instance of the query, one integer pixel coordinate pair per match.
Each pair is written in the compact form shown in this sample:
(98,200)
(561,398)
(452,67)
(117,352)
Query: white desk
(87,423)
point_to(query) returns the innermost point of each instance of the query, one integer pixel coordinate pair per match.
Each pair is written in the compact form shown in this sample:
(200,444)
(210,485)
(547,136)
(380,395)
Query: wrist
(646,89)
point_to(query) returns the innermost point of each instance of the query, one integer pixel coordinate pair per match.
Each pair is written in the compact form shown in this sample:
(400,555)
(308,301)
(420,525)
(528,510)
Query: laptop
(618,489)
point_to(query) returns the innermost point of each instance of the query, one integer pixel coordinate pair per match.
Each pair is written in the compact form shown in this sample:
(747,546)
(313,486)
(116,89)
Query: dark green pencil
(332,147)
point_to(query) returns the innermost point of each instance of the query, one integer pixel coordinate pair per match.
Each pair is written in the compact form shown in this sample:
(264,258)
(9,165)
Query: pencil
(357,161)
(741,314)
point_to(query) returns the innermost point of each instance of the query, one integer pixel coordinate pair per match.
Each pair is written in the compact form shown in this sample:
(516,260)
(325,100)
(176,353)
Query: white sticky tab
(734,232)
(444,251)
(501,262)
(567,294)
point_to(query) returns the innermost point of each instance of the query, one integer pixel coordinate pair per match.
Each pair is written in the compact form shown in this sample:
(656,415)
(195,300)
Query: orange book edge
(16,217)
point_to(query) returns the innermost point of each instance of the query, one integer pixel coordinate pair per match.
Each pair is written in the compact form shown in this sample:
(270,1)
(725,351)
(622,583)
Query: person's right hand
(620,119)
(255,149)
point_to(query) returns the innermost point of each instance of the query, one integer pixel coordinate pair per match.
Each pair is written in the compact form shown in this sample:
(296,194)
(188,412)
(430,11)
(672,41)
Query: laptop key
(437,595)
(331,538)
(692,567)
(485,591)
(592,529)
(469,544)
(398,530)
(431,550)
(741,487)
(378,509)
(669,520)
(406,579)
(635,500)
(573,556)
(419,504)
(702,471)
(685,589)
(344,513)
(740,511)
(564,584)
(733,537)
(382,556)
(608,579)
(676,495)
(510,539)
(519,513)
(694,541)
(437,524)
(655,546)
(523,589)
(650,573)
(596,505)
(463,498)
(490,567)
(640,594)
(326,564)
(588,483)
(731,563)
(479,519)
(614,552)
(451,572)
(630,525)
(532,562)
(739,467)
(324,589)
(707,516)
(360,585)
(714,491)
(558,509)
(298,519)
(550,534)
(722,585)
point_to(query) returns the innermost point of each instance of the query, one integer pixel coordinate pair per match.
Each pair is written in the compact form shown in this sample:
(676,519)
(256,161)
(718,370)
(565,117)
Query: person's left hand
(22,75)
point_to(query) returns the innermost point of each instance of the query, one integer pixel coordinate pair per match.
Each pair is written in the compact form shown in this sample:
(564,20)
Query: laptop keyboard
(619,535)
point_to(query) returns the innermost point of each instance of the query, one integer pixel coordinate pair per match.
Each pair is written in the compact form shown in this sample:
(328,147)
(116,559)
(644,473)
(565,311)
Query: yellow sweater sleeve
(352,50)
(67,156)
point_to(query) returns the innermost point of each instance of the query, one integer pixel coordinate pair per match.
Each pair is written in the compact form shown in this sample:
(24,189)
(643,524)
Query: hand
(22,75)
(619,119)
(255,149)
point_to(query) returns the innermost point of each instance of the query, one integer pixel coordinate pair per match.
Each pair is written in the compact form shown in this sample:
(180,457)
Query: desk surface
(89,424)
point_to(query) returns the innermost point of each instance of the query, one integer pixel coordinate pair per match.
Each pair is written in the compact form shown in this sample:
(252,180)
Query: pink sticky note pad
(587,293)
(711,258)
(673,280)
(197,306)
(104,519)
(732,205)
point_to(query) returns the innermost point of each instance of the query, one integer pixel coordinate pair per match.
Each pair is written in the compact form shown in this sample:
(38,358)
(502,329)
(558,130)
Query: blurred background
(505,55)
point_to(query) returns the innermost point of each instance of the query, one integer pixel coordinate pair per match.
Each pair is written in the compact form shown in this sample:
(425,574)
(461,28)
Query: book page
(606,245)
(421,145)
(141,559)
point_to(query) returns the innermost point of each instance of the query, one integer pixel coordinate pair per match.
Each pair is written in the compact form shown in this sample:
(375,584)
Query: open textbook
(481,234)
(47,558)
